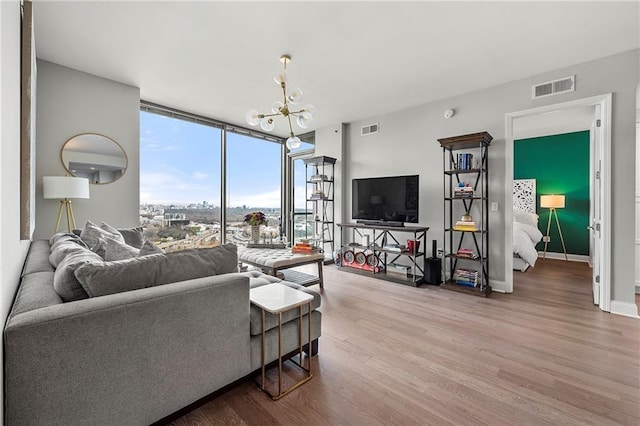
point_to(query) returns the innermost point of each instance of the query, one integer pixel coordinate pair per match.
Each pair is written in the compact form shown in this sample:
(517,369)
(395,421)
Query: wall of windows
(184,162)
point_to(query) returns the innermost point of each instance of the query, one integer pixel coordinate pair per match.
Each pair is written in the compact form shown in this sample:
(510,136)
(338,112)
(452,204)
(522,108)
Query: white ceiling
(353,60)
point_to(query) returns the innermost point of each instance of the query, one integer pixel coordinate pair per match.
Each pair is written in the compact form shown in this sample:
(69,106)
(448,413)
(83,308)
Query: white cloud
(265,199)
(199,175)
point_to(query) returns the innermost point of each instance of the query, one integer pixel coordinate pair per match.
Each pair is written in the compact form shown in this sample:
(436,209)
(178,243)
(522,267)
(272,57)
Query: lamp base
(71,220)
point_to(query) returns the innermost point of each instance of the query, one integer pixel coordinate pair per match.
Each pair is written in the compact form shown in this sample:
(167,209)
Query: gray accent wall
(407,144)
(72,102)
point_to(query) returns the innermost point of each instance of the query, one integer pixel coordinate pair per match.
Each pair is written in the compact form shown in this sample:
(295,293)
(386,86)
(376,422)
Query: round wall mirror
(95,157)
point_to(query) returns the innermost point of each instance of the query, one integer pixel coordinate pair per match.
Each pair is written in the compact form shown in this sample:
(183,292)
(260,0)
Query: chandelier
(284,108)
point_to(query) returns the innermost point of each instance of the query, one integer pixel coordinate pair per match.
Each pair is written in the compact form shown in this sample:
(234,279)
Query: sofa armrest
(127,358)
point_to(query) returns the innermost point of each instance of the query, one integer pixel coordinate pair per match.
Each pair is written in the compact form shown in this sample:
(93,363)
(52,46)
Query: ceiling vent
(369,129)
(555,87)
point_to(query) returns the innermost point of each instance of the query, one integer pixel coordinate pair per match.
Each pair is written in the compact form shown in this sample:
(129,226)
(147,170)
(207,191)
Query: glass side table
(278,299)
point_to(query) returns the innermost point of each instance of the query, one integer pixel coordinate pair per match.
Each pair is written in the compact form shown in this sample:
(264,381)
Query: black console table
(369,250)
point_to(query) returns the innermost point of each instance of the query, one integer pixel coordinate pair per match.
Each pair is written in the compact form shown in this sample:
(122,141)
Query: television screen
(386,199)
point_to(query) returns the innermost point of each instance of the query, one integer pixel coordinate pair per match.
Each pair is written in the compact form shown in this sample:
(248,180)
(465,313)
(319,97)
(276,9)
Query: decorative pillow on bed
(532,231)
(526,218)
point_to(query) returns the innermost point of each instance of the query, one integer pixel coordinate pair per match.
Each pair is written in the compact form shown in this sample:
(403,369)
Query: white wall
(332,146)
(72,102)
(638,189)
(12,249)
(407,144)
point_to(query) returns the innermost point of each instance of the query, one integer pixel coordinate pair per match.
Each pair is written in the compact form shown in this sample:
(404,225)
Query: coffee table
(272,261)
(276,299)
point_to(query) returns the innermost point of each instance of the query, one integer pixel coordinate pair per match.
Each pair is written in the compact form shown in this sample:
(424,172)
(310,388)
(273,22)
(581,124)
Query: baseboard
(624,308)
(498,286)
(560,256)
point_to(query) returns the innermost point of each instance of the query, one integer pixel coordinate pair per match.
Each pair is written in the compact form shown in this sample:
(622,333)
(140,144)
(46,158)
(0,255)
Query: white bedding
(525,238)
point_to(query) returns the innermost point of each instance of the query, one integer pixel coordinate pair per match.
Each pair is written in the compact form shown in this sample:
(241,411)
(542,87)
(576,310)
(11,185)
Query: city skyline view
(180,164)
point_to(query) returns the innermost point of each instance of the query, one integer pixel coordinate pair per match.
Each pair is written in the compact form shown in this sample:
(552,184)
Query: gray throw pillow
(64,279)
(115,250)
(99,279)
(63,248)
(149,248)
(95,237)
(133,236)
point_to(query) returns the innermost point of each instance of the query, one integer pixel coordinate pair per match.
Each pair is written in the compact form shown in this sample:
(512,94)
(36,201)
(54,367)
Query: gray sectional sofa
(132,357)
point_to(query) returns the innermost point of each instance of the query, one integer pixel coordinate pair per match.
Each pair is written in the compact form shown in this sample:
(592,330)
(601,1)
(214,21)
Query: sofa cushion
(99,279)
(35,292)
(95,237)
(38,258)
(64,280)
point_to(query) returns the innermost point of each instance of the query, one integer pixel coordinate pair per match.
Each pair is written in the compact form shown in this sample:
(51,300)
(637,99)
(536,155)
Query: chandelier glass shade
(287,108)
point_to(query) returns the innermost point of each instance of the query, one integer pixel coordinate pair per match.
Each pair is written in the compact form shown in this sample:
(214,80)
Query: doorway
(600,107)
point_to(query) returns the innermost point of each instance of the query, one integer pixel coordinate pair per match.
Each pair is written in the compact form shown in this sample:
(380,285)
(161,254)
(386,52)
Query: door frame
(604,102)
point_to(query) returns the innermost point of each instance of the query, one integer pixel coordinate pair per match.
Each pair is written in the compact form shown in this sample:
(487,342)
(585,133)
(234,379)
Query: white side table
(278,299)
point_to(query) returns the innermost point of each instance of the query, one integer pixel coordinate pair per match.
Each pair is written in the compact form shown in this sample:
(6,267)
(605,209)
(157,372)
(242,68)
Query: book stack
(467,277)
(463,190)
(303,248)
(317,194)
(318,178)
(398,248)
(396,270)
(465,225)
(465,161)
(467,253)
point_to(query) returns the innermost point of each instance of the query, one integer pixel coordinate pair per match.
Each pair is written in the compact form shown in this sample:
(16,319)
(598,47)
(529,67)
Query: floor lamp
(64,188)
(553,202)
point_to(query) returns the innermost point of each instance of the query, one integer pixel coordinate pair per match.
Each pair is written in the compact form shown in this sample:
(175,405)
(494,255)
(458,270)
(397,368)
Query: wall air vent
(369,129)
(555,87)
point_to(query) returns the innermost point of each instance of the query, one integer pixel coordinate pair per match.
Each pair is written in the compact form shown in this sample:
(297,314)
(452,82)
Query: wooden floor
(397,355)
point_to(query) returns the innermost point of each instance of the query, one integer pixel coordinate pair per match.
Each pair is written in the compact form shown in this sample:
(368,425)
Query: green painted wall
(560,165)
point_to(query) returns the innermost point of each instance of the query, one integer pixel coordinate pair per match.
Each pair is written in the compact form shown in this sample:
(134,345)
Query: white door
(595,228)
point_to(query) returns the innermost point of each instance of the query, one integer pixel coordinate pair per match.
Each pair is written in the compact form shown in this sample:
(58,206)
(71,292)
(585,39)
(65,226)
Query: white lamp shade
(552,201)
(60,187)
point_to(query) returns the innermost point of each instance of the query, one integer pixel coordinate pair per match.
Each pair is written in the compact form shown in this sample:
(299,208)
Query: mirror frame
(126,158)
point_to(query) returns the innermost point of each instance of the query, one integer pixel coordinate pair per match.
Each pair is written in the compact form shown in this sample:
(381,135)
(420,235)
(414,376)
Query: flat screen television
(392,199)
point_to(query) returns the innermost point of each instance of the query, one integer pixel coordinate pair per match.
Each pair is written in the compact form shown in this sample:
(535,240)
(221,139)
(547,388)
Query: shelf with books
(466,213)
(387,258)
(319,194)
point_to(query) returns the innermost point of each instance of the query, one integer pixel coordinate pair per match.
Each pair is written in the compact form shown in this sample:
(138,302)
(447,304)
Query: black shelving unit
(319,193)
(363,251)
(466,265)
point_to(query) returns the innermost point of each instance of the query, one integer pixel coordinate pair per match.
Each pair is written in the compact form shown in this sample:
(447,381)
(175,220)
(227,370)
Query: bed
(525,224)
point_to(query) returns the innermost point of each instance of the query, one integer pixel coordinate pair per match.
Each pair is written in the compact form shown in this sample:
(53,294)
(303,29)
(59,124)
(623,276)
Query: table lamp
(553,202)
(65,188)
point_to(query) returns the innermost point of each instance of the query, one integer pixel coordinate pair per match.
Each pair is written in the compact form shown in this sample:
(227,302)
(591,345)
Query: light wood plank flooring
(397,355)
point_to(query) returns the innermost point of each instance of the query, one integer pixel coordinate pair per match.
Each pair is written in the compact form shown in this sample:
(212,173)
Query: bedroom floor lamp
(65,188)
(553,202)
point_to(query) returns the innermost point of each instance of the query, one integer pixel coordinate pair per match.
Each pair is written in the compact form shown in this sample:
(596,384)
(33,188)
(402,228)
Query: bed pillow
(532,232)
(526,218)
(102,278)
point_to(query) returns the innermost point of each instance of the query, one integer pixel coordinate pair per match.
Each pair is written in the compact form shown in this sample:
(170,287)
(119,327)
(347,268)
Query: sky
(180,164)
